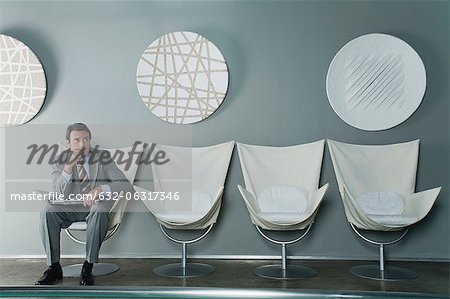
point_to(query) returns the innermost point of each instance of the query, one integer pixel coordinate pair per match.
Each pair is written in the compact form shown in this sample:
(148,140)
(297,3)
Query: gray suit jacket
(99,174)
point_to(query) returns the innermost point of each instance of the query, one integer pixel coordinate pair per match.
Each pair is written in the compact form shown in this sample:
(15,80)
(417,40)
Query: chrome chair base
(176,270)
(98,270)
(389,273)
(291,272)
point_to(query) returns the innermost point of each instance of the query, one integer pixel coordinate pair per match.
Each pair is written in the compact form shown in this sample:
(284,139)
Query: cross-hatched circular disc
(182,77)
(22,82)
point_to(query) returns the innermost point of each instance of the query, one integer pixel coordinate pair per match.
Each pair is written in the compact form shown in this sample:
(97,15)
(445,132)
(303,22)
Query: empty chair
(281,194)
(377,187)
(192,182)
(116,212)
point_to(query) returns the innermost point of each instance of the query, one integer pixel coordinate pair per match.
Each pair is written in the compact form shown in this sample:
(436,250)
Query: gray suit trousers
(57,217)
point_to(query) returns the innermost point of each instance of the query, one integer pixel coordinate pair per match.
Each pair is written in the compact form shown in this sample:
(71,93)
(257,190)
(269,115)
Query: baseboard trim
(232,257)
(199,292)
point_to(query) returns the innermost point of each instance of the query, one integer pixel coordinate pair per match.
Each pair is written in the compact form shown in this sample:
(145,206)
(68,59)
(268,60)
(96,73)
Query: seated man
(82,172)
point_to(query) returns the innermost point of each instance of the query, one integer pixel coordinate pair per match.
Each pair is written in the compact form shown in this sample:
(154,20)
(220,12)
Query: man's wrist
(67,176)
(105,189)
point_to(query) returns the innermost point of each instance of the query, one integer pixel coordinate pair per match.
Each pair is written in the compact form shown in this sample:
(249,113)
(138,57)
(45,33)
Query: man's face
(80,140)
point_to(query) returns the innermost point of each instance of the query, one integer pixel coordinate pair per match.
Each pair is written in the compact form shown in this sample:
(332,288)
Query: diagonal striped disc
(376,82)
(182,77)
(22,82)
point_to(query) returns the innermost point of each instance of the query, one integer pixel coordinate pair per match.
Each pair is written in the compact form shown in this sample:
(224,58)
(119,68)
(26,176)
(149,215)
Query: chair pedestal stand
(382,272)
(283,271)
(99,269)
(184,269)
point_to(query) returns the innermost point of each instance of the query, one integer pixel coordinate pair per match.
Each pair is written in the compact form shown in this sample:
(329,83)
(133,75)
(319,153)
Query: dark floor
(332,277)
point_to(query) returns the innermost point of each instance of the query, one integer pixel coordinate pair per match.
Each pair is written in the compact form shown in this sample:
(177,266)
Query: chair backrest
(282,199)
(119,207)
(363,168)
(297,165)
(116,154)
(193,172)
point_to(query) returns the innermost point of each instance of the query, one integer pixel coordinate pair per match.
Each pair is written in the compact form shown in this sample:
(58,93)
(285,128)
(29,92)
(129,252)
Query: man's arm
(62,173)
(62,181)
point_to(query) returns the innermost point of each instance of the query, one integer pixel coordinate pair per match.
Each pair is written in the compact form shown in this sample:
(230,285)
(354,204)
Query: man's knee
(49,216)
(99,208)
(99,212)
(49,210)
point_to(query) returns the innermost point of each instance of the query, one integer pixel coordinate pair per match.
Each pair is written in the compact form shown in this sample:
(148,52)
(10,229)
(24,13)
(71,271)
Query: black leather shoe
(51,275)
(86,277)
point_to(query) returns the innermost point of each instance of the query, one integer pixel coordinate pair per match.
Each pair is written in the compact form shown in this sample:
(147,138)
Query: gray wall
(278,53)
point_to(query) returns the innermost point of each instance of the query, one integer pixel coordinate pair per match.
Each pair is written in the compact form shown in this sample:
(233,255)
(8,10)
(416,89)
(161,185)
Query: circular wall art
(182,77)
(376,82)
(22,82)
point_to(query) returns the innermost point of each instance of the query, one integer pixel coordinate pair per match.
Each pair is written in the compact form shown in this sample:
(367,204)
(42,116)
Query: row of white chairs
(281,193)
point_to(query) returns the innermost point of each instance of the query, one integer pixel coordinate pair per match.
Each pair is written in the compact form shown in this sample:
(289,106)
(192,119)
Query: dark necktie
(83,177)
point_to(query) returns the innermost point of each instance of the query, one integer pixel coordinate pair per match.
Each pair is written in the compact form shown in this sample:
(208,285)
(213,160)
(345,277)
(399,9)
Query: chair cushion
(283,217)
(400,220)
(80,225)
(381,203)
(179,217)
(179,212)
(282,199)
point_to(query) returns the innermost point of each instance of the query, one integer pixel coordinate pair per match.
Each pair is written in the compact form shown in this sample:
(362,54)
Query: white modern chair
(116,213)
(281,194)
(197,176)
(377,186)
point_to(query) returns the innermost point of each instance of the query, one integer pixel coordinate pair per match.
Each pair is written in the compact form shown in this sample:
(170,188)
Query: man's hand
(73,157)
(91,198)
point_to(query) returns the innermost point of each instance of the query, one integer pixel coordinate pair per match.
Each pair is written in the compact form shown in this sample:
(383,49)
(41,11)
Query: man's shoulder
(101,155)
(100,151)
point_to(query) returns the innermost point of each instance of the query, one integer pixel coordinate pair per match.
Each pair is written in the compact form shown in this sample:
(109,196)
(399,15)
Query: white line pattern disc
(22,82)
(182,77)
(376,82)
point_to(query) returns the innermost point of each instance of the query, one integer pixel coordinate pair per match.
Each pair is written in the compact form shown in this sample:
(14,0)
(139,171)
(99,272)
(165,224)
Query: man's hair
(77,127)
